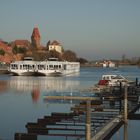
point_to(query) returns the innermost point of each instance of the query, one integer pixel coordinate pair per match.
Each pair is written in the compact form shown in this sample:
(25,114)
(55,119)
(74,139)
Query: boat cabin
(53,59)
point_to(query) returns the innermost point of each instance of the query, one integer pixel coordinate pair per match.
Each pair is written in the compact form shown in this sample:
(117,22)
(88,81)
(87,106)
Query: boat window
(27,67)
(24,67)
(55,66)
(106,78)
(41,67)
(30,67)
(50,66)
(113,77)
(64,67)
(119,77)
(14,66)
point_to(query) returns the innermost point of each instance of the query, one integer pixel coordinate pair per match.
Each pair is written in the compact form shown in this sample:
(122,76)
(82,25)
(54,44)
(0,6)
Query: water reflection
(35,95)
(38,85)
(48,84)
(3,86)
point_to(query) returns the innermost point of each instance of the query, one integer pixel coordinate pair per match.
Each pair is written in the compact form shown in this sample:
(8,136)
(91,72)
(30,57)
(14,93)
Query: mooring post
(125,104)
(120,102)
(125,113)
(120,86)
(125,131)
(23,136)
(88,123)
(136,81)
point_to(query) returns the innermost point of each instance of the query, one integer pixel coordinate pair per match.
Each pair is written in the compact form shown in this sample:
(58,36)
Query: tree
(55,54)
(82,60)
(2,52)
(17,50)
(69,55)
(47,45)
(21,50)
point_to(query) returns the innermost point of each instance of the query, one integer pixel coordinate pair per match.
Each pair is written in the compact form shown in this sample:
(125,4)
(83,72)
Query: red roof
(21,43)
(54,43)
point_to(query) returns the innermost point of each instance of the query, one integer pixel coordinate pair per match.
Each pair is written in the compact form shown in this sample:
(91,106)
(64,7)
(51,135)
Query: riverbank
(99,65)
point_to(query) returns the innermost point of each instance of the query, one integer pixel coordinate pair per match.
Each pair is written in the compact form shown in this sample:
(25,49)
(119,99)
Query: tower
(35,38)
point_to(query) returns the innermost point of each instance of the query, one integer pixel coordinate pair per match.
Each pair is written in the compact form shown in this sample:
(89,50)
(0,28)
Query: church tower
(35,38)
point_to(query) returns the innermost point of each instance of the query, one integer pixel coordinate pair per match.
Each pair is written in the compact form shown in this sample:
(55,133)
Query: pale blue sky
(94,29)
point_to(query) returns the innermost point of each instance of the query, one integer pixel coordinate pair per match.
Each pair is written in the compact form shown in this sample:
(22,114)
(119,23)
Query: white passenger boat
(53,67)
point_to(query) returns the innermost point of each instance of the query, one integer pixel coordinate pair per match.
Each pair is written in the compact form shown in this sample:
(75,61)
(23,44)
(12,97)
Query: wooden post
(23,136)
(88,123)
(136,81)
(125,114)
(125,131)
(120,102)
(120,88)
(125,105)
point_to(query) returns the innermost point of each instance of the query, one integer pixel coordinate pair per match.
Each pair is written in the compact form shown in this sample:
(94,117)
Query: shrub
(2,52)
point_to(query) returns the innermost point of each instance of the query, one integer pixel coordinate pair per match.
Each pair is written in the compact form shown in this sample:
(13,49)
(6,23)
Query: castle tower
(35,38)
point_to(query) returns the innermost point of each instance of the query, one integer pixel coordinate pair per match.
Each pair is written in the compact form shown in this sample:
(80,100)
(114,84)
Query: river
(21,99)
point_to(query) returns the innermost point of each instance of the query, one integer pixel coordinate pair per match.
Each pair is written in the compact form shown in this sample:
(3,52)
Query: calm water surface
(21,99)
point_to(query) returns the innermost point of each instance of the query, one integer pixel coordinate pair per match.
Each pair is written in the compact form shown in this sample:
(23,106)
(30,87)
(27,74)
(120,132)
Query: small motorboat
(115,80)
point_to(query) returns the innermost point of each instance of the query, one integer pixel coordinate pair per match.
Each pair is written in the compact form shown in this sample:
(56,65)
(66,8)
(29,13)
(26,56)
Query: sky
(93,29)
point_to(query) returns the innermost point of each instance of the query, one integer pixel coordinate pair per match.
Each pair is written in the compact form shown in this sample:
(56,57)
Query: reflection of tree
(35,95)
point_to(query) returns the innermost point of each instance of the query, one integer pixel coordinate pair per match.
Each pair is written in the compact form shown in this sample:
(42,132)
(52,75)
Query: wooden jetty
(95,118)
(72,98)
(108,130)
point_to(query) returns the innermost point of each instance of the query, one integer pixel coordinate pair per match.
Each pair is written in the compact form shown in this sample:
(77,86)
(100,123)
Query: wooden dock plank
(72,98)
(105,130)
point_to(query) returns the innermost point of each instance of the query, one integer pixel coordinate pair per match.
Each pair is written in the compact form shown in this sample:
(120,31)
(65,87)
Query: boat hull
(26,74)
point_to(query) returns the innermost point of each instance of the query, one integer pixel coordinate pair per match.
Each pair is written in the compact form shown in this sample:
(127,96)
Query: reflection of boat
(44,68)
(115,80)
(43,83)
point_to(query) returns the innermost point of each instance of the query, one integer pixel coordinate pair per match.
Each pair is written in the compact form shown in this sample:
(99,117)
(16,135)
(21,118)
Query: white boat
(109,64)
(53,67)
(115,80)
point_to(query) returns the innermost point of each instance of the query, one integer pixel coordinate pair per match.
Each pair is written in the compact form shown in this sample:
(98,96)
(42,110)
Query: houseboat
(50,67)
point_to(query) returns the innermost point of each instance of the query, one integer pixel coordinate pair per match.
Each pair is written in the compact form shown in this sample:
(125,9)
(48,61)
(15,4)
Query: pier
(94,118)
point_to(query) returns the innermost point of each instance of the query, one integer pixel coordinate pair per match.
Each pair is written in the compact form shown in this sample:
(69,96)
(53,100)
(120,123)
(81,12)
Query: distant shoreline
(94,65)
